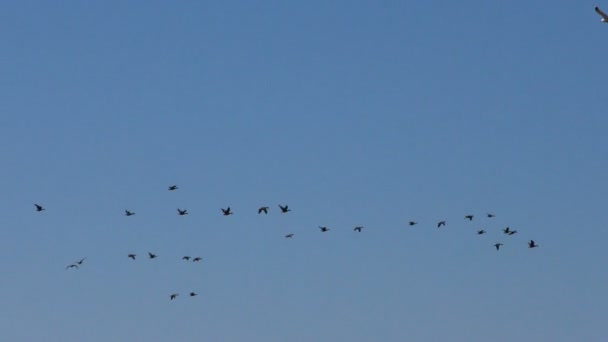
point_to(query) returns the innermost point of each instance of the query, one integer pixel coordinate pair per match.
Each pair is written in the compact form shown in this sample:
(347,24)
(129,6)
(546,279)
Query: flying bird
(512,232)
(411,223)
(602,14)
(197,259)
(174,295)
(289,236)
(39,207)
(72,265)
(284,209)
(441,223)
(152,256)
(227,211)
(480,232)
(323,229)
(358,229)
(497,246)
(532,244)
(490,215)
(506,230)
(181,212)
(129,213)
(263,209)
(469,217)
(186,258)
(192,294)
(132,256)
(173,187)
(80,262)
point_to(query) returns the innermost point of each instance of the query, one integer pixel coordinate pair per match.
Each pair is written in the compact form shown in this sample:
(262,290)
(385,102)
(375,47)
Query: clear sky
(368,113)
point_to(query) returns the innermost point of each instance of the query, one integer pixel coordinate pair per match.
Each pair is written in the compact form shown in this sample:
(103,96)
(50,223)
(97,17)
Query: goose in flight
(151,255)
(227,211)
(173,187)
(132,256)
(197,259)
(129,213)
(263,209)
(70,266)
(186,258)
(441,223)
(284,209)
(497,245)
(289,236)
(411,223)
(80,262)
(323,229)
(481,232)
(512,232)
(182,212)
(490,215)
(39,207)
(602,14)
(192,294)
(532,244)
(469,217)
(174,295)
(358,229)
(506,230)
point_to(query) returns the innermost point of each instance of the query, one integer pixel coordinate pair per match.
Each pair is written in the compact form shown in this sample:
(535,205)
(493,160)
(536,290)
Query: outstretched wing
(601,13)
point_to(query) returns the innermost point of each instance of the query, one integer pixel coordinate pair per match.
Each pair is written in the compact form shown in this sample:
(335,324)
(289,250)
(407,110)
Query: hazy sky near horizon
(352,113)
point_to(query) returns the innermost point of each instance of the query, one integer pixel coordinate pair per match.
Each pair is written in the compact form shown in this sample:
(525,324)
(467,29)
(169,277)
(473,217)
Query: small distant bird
(532,244)
(470,217)
(490,215)
(506,230)
(152,256)
(602,14)
(129,213)
(72,265)
(39,207)
(186,258)
(480,232)
(411,223)
(289,236)
(497,246)
(181,212)
(197,259)
(441,223)
(174,295)
(132,256)
(263,209)
(192,294)
(284,209)
(512,232)
(80,262)
(323,229)
(227,211)
(173,187)
(358,229)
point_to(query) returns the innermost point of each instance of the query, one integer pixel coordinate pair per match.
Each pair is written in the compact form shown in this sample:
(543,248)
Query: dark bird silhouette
(132,256)
(227,211)
(480,232)
(80,262)
(497,245)
(186,258)
(173,187)
(469,217)
(358,229)
(284,209)
(289,236)
(174,295)
(181,212)
(532,244)
(39,207)
(441,223)
(72,265)
(323,229)
(602,14)
(129,213)
(197,259)
(192,294)
(152,256)
(490,215)
(512,232)
(263,209)
(411,223)
(506,230)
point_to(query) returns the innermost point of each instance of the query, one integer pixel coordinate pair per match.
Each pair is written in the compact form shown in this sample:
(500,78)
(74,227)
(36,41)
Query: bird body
(512,232)
(71,266)
(358,229)
(129,213)
(173,187)
(39,207)
(497,245)
(480,232)
(506,230)
(602,14)
(186,258)
(323,229)
(192,294)
(469,217)
(227,211)
(532,244)
(182,212)
(174,295)
(197,259)
(132,256)
(263,209)
(289,236)
(284,209)
(81,261)
(151,255)
(490,215)
(441,223)
(411,223)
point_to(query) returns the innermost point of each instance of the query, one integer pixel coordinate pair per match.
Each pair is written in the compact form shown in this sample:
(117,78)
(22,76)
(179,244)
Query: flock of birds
(284,209)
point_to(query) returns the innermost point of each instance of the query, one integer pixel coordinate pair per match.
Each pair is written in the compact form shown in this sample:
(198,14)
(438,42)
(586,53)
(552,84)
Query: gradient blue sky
(353,113)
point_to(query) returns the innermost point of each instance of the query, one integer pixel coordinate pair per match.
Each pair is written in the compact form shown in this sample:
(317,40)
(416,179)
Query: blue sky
(352,113)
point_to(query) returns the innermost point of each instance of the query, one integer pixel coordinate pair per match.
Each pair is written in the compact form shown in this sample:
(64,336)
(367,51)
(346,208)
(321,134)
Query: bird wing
(601,13)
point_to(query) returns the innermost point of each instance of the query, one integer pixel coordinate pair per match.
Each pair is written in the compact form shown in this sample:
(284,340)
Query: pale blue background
(353,113)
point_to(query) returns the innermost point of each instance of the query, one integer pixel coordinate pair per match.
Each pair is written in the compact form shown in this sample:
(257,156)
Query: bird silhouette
(39,207)
(181,212)
(263,209)
(480,232)
(512,232)
(186,258)
(197,259)
(132,256)
(411,223)
(284,209)
(174,295)
(441,223)
(173,187)
(506,230)
(227,211)
(469,217)
(72,265)
(358,229)
(490,215)
(497,245)
(289,236)
(323,229)
(192,294)
(532,244)
(602,14)
(80,262)
(129,213)
(151,255)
